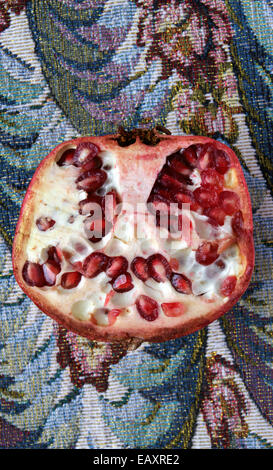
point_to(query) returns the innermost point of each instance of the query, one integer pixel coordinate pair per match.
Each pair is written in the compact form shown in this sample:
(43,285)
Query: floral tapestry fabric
(83,67)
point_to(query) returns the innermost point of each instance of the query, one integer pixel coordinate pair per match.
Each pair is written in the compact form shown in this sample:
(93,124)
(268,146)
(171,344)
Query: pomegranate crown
(147,136)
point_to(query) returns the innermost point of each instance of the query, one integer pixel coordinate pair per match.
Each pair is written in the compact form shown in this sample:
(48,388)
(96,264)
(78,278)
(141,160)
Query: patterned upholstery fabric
(76,67)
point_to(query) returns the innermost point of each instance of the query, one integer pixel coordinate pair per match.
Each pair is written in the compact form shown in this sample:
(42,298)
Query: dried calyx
(146,136)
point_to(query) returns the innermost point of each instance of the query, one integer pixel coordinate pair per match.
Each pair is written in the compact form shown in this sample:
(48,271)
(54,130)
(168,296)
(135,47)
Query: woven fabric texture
(79,67)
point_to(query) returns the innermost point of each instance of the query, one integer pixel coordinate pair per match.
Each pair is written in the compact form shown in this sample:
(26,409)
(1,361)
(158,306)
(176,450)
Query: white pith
(59,198)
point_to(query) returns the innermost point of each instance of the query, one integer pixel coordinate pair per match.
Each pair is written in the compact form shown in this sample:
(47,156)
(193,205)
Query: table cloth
(79,67)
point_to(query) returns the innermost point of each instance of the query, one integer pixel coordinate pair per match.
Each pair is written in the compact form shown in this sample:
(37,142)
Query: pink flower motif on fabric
(224,405)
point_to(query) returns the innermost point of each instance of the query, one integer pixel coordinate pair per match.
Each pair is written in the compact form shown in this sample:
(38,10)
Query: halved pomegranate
(90,249)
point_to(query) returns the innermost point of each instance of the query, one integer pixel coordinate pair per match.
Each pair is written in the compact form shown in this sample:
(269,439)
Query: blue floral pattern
(83,67)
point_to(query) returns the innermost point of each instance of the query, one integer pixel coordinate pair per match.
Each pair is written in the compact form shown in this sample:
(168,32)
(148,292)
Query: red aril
(44,223)
(173,309)
(147,308)
(212,178)
(222,161)
(123,283)
(207,253)
(67,158)
(140,268)
(229,202)
(116,266)
(91,180)
(158,267)
(228,286)
(237,224)
(113,315)
(92,204)
(206,196)
(70,280)
(33,274)
(186,197)
(51,269)
(181,283)
(94,264)
(85,259)
(191,154)
(85,152)
(217,214)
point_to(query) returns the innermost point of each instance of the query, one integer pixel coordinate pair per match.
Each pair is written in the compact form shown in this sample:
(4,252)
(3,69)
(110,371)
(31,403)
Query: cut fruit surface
(123,237)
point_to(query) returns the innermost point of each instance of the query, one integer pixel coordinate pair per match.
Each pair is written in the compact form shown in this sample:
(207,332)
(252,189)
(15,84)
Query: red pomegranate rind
(142,163)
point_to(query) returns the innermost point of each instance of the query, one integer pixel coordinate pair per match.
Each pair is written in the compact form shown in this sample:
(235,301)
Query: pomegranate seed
(186,197)
(123,283)
(174,264)
(212,178)
(66,158)
(184,179)
(220,263)
(93,164)
(171,182)
(84,152)
(176,163)
(157,202)
(140,268)
(191,154)
(216,214)
(206,197)
(97,229)
(70,280)
(54,254)
(33,274)
(158,267)
(228,286)
(207,253)
(112,315)
(108,297)
(147,308)
(222,161)
(116,266)
(206,157)
(181,283)
(229,201)
(91,204)
(94,264)
(45,223)
(51,269)
(173,309)
(237,223)
(91,180)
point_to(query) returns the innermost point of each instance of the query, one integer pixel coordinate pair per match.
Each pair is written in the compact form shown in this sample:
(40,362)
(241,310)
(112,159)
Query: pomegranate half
(135,235)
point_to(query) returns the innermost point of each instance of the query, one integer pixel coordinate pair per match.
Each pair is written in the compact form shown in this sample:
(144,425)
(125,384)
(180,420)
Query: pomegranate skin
(152,158)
